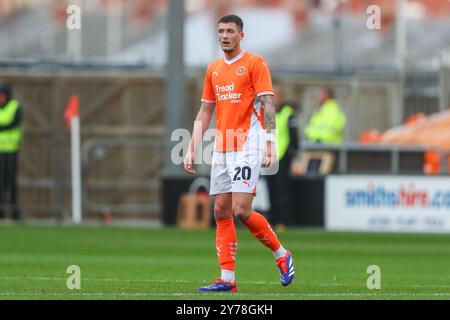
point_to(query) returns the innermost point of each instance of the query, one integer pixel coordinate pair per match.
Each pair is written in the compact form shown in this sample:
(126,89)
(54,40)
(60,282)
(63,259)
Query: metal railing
(396,155)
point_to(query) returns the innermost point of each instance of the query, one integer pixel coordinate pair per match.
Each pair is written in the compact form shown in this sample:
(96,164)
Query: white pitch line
(194,282)
(131,280)
(184,294)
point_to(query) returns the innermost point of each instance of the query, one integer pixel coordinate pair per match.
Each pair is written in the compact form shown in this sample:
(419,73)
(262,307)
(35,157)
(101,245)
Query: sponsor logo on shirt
(227,92)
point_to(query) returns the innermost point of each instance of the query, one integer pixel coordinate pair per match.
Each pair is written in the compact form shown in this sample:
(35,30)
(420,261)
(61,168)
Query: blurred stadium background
(135,87)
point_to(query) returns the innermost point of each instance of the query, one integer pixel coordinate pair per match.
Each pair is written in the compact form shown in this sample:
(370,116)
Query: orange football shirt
(234,85)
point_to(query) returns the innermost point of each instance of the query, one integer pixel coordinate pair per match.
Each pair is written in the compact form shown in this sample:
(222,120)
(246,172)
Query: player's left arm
(262,84)
(269,112)
(269,122)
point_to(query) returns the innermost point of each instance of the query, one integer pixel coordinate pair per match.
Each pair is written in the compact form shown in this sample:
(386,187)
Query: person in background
(287,144)
(10,138)
(327,124)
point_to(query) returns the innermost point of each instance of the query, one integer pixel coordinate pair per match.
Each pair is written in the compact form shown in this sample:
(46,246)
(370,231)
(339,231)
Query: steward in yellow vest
(10,139)
(281,212)
(327,124)
(286,134)
(10,133)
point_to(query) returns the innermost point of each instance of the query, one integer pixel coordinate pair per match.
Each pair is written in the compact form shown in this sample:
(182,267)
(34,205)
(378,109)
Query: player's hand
(270,155)
(188,163)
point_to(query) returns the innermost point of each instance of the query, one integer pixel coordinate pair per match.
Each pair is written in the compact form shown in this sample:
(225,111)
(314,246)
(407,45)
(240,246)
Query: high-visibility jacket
(327,124)
(9,139)
(282,133)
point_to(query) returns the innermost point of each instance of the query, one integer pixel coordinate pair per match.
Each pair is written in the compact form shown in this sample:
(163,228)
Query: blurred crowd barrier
(299,34)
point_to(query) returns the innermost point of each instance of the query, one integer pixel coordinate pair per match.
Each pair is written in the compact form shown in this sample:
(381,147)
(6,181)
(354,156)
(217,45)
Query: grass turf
(140,263)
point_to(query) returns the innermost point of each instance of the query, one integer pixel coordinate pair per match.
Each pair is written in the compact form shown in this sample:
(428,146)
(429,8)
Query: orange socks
(261,229)
(226,243)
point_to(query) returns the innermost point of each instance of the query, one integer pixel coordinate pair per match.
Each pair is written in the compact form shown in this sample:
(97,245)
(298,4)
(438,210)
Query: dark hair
(6,90)
(232,18)
(329,91)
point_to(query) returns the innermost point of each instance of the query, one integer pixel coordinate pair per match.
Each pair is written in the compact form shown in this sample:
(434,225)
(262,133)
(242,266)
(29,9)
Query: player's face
(229,36)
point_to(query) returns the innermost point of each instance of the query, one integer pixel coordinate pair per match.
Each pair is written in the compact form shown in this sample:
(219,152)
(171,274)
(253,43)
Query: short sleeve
(208,95)
(261,78)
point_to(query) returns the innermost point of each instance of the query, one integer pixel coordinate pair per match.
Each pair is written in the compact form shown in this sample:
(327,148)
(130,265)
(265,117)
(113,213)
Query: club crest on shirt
(240,70)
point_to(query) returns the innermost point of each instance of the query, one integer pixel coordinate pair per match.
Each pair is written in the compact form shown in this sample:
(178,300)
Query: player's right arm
(201,124)
(202,120)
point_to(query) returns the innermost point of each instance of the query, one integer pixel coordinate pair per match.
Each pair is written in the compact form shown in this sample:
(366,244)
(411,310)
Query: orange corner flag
(72,109)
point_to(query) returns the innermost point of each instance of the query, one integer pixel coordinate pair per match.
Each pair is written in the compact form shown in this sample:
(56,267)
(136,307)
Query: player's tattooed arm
(269,120)
(269,112)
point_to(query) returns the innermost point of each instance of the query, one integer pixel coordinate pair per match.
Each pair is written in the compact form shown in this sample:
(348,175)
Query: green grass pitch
(145,263)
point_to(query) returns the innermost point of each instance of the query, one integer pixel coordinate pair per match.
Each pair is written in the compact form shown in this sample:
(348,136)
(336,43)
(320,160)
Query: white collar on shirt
(235,58)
